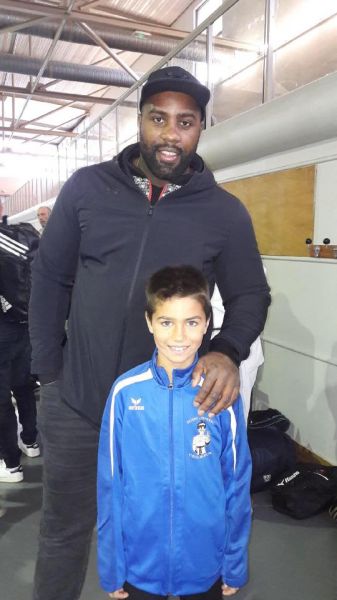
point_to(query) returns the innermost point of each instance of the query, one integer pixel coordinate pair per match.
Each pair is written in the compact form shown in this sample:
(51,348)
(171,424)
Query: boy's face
(178,326)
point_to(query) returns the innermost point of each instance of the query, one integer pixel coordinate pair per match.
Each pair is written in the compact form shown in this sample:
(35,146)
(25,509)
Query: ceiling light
(141,35)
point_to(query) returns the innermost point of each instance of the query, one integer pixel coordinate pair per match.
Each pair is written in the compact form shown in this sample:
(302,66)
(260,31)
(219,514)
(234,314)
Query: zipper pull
(150,210)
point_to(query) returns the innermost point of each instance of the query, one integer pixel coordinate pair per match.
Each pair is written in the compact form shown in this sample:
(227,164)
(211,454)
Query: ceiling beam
(114,12)
(115,22)
(33,8)
(24,25)
(98,40)
(52,11)
(40,123)
(33,131)
(88,3)
(24,139)
(77,119)
(46,60)
(11,50)
(58,96)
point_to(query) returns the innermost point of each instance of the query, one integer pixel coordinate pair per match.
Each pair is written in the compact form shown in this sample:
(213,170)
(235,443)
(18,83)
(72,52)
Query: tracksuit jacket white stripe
(173,487)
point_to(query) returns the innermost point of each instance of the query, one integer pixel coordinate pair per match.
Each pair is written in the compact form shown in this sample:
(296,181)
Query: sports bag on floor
(272,450)
(264,419)
(272,453)
(305,490)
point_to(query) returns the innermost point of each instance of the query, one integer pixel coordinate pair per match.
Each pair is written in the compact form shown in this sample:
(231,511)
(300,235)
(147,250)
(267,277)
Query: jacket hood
(201,178)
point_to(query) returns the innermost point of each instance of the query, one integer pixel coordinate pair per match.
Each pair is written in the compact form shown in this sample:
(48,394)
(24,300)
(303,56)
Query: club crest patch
(201,441)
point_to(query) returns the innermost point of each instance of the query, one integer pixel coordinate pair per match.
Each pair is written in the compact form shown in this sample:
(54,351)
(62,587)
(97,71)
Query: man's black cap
(175,79)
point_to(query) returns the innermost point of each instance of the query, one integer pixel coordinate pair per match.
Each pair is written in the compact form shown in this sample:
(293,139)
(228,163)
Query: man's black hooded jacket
(103,240)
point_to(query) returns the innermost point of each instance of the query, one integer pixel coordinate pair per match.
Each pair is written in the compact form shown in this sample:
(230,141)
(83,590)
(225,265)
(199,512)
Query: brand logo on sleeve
(5,305)
(136,404)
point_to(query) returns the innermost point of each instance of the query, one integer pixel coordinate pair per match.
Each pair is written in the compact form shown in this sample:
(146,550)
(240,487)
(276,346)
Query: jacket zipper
(171,483)
(149,212)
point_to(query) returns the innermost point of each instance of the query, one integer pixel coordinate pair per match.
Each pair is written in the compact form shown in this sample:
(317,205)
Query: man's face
(170,127)
(43,216)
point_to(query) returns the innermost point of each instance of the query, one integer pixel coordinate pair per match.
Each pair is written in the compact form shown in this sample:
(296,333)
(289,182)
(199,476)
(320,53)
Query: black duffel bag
(264,419)
(305,490)
(272,453)
(272,450)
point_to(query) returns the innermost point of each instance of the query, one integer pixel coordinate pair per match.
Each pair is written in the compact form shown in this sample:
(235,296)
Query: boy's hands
(227,590)
(118,594)
(221,386)
(121,593)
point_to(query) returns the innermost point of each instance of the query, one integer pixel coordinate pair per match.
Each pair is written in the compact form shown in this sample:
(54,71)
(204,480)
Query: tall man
(112,226)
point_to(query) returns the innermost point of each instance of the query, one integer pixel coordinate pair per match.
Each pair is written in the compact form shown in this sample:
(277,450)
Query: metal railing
(35,191)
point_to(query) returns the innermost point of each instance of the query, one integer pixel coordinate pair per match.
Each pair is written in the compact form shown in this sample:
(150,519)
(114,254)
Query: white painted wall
(299,376)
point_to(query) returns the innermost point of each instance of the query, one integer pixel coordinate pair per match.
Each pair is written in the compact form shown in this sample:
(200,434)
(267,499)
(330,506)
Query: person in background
(173,488)
(43,215)
(18,244)
(112,226)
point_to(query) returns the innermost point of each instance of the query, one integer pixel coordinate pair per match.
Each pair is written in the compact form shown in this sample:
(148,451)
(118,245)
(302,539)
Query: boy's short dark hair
(181,281)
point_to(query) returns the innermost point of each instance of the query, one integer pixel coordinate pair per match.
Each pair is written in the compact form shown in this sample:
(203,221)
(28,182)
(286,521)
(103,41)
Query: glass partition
(81,151)
(193,58)
(246,55)
(127,125)
(62,157)
(93,139)
(237,65)
(294,18)
(71,157)
(109,136)
(304,28)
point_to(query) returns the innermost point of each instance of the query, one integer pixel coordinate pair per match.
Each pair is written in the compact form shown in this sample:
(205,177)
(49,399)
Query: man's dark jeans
(15,376)
(70,446)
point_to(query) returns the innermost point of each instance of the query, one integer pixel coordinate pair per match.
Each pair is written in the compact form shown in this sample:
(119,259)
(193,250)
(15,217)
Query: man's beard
(166,172)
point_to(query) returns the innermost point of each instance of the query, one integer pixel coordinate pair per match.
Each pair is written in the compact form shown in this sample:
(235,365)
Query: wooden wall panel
(281,205)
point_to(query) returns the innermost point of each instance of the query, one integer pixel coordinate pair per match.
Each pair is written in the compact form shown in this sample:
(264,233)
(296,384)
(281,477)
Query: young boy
(173,487)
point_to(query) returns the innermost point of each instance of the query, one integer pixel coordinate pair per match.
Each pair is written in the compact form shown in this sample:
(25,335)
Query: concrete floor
(289,560)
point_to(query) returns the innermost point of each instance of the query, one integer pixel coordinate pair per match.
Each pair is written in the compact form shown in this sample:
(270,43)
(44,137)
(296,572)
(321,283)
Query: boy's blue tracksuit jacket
(173,488)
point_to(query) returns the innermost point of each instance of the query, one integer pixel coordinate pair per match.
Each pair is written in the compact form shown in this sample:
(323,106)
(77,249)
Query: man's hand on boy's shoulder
(221,385)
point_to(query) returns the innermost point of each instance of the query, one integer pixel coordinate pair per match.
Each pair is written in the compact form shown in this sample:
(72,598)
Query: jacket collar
(125,157)
(200,182)
(181,377)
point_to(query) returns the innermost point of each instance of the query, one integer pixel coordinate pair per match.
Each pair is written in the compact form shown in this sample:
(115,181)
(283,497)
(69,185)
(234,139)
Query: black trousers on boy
(214,593)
